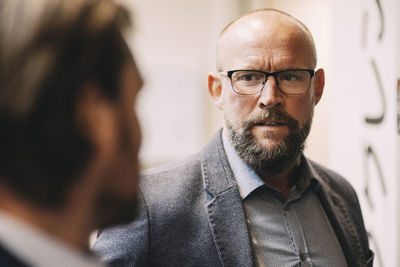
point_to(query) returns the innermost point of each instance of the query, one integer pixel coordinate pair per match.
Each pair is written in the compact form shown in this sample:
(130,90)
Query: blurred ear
(96,116)
(215,89)
(319,83)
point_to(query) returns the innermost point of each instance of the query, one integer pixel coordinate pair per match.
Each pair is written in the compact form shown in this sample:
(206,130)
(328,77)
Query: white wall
(397,177)
(364,63)
(174,44)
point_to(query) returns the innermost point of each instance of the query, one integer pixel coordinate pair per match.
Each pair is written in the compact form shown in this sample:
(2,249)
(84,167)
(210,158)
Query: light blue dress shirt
(285,232)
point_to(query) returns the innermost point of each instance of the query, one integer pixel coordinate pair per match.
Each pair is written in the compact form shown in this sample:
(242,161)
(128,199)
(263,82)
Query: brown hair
(48,49)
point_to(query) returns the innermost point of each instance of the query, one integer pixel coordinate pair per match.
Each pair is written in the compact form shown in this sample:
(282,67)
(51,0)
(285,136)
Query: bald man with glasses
(250,197)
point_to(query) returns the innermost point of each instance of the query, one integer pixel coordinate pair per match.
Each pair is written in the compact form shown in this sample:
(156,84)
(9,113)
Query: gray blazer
(191,214)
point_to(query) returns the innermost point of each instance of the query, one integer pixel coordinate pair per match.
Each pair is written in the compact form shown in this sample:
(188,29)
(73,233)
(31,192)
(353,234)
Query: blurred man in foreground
(69,136)
(250,197)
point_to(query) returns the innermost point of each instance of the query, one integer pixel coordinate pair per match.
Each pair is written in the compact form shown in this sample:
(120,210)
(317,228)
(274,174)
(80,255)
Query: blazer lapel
(224,206)
(342,223)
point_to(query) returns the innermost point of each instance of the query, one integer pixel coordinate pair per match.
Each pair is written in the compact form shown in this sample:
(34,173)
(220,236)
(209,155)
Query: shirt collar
(38,248)
(248,180)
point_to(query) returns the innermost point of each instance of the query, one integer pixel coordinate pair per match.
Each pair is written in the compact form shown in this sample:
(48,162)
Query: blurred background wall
(356,125)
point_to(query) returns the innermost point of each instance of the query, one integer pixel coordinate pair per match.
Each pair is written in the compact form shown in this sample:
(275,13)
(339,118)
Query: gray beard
(275,160)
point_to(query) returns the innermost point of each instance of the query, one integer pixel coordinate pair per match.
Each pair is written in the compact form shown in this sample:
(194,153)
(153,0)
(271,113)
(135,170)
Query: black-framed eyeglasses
(250,82)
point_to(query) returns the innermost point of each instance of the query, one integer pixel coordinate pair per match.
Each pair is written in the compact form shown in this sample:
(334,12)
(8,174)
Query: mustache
(272,114)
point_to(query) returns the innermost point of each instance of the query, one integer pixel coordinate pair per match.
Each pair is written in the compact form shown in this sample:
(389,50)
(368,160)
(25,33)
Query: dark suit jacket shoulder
(172,226)
(191,214)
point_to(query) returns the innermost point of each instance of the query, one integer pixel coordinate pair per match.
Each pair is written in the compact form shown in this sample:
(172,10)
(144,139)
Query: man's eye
(291,77)
(248,77)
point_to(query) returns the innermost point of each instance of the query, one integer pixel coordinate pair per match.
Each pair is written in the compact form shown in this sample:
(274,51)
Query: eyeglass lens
(251,82)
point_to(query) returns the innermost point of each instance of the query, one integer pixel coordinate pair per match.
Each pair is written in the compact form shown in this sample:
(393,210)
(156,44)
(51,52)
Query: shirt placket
(295,229)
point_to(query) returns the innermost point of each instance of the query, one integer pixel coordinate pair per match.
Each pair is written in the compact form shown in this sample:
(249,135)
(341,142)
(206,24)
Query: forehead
(270,44)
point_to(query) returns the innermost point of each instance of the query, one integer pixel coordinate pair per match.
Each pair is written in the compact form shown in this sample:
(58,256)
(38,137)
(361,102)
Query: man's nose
(270,95)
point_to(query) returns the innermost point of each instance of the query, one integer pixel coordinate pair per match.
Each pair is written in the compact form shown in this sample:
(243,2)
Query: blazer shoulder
(171,168)
(170,184)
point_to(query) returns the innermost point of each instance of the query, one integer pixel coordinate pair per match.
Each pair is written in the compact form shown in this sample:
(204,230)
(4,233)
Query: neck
(284,181)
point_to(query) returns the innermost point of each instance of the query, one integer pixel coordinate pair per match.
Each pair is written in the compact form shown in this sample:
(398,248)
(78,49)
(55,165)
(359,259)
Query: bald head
(268,28)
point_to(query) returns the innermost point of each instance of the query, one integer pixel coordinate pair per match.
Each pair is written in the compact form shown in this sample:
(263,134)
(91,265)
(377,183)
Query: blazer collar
(224,206)
(340,217)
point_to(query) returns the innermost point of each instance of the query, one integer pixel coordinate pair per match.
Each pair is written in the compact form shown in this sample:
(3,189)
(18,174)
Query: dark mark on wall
(371,160)
(379,118)
(382,30)
(364,27)
(398,106)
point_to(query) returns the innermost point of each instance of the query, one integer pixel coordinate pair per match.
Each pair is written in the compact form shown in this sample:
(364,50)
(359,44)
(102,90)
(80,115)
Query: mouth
(271,123)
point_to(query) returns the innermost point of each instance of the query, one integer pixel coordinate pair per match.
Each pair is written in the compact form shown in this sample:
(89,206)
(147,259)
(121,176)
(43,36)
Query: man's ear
(319,83)
(215,89)
(96,116)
